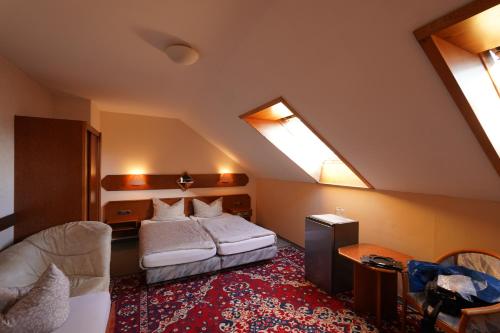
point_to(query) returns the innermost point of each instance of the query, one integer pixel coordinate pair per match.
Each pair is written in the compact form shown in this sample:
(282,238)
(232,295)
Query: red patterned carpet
(267,297)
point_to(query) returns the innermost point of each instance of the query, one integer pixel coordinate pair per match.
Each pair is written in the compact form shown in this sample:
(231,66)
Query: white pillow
(165,212)
(43,309)
(202,209)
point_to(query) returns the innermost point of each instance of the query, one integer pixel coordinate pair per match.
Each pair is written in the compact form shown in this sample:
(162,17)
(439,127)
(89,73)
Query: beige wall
(95,116)
(71,107)
(19,95)
(425,226)
(155,145)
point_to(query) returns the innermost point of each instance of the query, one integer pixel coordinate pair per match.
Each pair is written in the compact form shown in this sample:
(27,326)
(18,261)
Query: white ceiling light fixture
(182,54)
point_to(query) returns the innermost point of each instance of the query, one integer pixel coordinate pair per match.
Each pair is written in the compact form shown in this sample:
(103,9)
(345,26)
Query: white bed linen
(246,245)
(176,257)
(228,248)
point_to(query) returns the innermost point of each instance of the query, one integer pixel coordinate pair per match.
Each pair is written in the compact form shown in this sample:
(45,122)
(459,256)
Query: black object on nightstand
(324,266)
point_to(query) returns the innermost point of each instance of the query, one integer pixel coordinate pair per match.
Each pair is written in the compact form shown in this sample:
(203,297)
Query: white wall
(154,145)
(6,237)
(19,95)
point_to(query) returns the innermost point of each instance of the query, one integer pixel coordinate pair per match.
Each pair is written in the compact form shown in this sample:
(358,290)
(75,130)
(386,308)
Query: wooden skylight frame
(264,113)
(467,32)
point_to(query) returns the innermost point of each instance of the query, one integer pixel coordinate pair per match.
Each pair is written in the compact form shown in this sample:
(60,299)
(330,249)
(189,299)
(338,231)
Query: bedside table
(245,213)
(124,227)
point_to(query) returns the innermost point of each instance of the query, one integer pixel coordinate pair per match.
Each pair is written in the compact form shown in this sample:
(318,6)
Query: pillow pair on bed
(166,212)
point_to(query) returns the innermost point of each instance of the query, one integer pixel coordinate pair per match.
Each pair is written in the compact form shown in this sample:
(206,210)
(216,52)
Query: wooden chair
(482,319)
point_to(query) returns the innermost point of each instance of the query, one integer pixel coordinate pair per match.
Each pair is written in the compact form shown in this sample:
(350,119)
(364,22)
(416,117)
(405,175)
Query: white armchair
(82,250)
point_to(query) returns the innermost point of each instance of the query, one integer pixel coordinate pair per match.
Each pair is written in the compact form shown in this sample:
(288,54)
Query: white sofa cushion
(44,308)
(88,314)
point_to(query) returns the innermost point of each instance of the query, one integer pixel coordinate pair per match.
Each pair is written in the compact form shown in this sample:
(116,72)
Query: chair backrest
(82,250)
(484,261)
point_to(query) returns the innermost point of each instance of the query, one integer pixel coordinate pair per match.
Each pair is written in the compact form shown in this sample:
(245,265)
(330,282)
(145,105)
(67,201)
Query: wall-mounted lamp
(226,178)
(136,180)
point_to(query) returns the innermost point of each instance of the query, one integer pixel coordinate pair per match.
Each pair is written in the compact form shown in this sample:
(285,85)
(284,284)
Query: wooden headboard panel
(143,209)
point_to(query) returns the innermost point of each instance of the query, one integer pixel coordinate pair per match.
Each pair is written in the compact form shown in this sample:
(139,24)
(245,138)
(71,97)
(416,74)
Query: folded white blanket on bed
(172,236)
(232,228)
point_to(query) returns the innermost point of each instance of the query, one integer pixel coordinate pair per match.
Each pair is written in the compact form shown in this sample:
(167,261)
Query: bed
(237,240)
(166,243)
(175,248)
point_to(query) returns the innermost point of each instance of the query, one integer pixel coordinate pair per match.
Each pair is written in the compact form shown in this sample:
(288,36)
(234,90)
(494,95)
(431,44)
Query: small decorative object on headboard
(163,182)
(185,181)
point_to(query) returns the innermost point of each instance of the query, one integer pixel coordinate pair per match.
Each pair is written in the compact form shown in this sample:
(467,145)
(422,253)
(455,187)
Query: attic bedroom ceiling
(352,68)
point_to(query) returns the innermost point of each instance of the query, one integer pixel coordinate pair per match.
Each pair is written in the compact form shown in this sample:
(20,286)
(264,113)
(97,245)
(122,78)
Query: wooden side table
(124,227)
(375,289)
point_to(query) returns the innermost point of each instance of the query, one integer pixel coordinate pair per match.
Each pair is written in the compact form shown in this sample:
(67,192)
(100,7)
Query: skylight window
(288,132)
(491,60)
(463,46)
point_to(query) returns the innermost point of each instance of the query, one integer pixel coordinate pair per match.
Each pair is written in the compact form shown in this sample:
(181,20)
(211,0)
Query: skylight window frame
(493,67)
(466,28)
(296,114)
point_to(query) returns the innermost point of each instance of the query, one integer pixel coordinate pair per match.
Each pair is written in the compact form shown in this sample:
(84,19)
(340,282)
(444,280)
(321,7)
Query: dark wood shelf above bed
(162,182)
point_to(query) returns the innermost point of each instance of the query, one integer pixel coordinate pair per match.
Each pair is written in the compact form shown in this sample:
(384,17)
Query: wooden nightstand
(124,227)
(246,213)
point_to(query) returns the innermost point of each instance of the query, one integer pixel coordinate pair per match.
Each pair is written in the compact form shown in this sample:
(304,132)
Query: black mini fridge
(324,266)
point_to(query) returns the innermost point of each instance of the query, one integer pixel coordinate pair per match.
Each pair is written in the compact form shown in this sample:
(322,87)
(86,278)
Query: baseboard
(289,241)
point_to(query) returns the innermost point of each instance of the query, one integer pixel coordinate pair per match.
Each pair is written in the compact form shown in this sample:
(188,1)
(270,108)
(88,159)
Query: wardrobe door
(49,173)
(93,176)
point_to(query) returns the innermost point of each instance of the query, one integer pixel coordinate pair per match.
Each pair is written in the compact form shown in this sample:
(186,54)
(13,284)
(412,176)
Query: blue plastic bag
(421,272)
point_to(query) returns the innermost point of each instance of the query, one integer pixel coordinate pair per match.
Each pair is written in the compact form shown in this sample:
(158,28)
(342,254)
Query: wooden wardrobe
(57,173)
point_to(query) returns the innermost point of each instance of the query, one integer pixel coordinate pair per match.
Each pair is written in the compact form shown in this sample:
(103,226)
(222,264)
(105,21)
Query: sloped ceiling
(352,68)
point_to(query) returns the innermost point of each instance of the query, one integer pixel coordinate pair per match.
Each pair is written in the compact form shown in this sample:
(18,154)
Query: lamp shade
(136,180)
(226,178)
